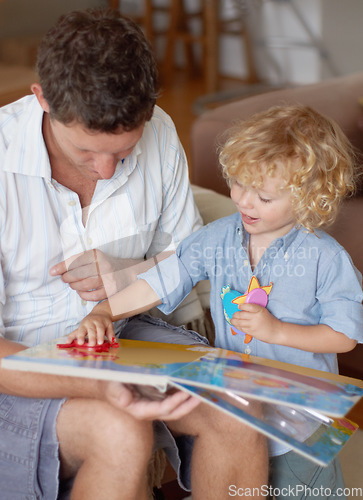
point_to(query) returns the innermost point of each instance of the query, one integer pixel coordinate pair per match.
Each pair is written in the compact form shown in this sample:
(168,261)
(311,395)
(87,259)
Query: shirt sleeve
(339,293)
(2,299)
(2,302)
(179,216)
(2,283)
(173,278)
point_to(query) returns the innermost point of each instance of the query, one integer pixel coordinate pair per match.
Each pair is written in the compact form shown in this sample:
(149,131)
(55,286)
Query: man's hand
(94,275)
(172,407)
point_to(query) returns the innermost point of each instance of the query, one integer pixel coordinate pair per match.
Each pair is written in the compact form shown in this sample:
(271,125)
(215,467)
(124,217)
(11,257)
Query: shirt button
(84,302)
(245,262)
(89,241)
(72,203)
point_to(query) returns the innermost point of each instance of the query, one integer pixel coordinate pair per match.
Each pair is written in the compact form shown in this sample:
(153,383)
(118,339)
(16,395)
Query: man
(92,172)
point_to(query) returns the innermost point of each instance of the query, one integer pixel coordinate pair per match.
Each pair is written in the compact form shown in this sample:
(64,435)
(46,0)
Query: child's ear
(37,90)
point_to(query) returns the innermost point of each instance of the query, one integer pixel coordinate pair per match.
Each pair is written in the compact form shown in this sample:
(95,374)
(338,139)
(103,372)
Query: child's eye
(264,200)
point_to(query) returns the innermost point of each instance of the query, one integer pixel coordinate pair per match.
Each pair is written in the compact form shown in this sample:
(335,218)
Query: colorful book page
(134,362)
(231,372)
(152,363)
(314,436)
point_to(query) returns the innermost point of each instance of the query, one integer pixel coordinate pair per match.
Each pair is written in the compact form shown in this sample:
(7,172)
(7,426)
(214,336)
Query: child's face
(265,211)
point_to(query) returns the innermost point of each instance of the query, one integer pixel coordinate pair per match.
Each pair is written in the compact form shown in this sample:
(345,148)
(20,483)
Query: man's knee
(121,431)
(208,421)
(90,429)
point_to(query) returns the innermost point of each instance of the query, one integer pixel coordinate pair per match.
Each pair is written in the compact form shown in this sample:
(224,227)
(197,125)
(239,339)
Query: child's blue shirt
(314,282)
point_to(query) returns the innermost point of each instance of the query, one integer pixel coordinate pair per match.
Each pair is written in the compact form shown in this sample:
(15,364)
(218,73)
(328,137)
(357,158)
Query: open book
(303,408)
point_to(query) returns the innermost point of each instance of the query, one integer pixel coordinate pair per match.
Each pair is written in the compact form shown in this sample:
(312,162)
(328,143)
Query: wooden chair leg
(168,63)
(213,26)
(211,49)
(148,21)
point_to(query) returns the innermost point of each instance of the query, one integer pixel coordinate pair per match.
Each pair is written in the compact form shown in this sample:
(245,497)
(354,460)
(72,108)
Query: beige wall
(342,32)
(291,55)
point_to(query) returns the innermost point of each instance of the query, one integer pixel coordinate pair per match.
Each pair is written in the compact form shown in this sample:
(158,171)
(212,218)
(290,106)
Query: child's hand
(258,322)
(94,326)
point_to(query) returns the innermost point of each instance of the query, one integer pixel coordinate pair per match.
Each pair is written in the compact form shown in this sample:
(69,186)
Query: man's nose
(106,166)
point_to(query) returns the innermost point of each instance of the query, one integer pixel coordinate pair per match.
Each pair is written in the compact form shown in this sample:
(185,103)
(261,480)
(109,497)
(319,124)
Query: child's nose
(245,199)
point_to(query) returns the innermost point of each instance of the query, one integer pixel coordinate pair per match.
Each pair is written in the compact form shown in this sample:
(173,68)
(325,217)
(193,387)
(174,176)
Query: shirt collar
(287,240)
(27,153)
(123,170)
(292,239)
(126,167)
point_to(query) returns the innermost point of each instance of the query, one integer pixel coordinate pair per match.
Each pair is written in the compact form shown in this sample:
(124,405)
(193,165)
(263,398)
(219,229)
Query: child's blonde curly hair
(308,150)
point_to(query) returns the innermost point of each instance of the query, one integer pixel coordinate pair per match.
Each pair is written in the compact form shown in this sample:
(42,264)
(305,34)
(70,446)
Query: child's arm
(261,324)
(134,299)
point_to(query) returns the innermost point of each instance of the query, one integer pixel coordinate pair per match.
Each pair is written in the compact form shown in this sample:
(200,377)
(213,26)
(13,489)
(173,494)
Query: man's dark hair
(97,68)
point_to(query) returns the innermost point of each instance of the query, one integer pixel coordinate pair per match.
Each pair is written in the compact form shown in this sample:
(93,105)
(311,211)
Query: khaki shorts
(293,476)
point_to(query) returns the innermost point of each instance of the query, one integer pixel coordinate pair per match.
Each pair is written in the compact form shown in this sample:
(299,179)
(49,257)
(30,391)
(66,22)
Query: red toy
(105,347)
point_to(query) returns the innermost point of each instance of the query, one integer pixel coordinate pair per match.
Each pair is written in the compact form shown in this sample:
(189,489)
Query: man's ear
(37,90)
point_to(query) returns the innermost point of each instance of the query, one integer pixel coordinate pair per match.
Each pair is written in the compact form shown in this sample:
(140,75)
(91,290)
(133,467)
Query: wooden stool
(138,17)
(212,26)
(145,18)
(178,30)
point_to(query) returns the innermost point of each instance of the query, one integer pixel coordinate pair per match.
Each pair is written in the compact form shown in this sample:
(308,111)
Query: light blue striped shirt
(146,206)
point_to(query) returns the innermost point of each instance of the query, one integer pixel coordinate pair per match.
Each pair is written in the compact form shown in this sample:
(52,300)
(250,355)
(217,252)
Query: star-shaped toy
(231,299)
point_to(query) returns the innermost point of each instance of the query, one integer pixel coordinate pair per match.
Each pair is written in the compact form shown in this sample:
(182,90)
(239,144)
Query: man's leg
(227,455)
(225,452)
(28,448)
(149,329)
(105,449)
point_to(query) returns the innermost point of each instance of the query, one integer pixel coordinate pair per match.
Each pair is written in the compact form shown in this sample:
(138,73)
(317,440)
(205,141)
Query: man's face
(93,154)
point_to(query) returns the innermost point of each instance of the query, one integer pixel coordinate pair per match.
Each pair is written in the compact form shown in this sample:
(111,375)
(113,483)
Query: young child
(288,169)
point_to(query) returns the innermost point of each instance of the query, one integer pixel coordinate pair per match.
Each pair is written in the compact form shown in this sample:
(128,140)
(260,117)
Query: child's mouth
(249,220)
